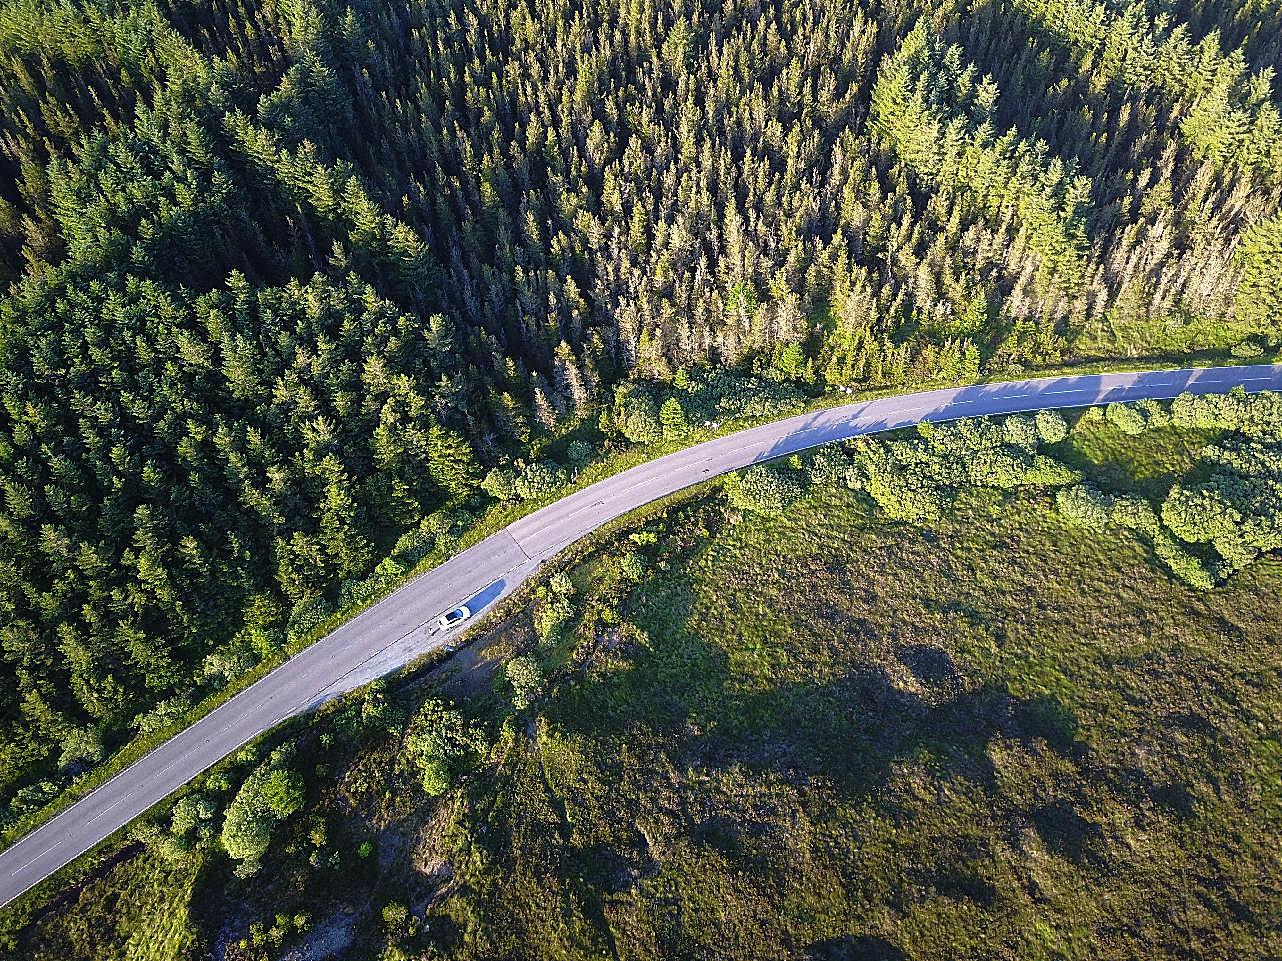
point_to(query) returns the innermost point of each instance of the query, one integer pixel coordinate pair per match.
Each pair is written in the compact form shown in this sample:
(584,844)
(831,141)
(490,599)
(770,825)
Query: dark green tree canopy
(281,279)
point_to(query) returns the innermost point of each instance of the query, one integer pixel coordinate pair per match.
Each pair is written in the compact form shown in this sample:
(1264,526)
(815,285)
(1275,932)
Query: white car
(455,617)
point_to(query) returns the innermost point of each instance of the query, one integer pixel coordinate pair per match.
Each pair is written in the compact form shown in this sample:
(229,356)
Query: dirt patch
(429,857)
(325,940)
(470,669)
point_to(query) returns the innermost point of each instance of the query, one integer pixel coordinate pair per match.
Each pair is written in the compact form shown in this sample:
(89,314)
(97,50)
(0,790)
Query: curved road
(398,629)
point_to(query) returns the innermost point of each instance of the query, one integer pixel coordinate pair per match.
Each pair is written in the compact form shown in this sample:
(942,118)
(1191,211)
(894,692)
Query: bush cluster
(440,744)
(271,793)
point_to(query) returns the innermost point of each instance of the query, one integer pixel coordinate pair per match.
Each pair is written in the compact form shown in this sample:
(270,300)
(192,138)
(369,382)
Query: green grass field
(823,736)
(139,911)
(1122,463)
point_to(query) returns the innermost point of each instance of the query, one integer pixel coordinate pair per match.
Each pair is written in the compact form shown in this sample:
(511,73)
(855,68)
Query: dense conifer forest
(283,278)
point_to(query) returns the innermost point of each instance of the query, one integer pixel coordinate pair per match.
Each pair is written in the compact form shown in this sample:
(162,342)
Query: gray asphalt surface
(399,628)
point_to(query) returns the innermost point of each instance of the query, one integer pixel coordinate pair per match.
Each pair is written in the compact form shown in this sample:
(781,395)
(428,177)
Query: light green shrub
(1084,505)
(765,489)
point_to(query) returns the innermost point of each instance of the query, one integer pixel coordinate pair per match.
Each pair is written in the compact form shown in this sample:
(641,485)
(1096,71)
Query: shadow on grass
(866,947)
(685,701)
(850,730)
(1067,833)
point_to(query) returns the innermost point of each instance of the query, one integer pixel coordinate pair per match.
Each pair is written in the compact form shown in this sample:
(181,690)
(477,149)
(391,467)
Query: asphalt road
(398,629)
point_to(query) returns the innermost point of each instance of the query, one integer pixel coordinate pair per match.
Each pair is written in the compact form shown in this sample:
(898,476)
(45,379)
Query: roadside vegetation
(296,294)
(900,697)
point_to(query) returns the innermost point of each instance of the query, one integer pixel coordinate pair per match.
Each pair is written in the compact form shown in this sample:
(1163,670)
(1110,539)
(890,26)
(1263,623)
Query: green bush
(526,677)
(1051,426)
(1126,418)
(539,479)
(81,745)
(635,414)
(440,743)
(907,496)
(632,567)
(1133,512)
(1246,349)
(579,453)
(282,791)
(1010,467)
(1154,412)
(1207,411)
(396,916)
(736,396)
(1201,513)
(553,612)
(500,483)
(272,792)
(1085,506)
(1021,431)
(765,489)
(827,467)
(642,426)
(1181,563)
(1238,509)
(190,812)
(306,615)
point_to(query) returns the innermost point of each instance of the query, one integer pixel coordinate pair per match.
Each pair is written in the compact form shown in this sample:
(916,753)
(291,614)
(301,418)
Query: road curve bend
(398,629)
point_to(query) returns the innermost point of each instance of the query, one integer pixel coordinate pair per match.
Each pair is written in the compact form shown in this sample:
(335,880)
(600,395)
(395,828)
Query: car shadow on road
(486,596)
